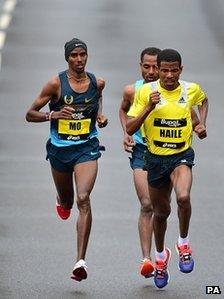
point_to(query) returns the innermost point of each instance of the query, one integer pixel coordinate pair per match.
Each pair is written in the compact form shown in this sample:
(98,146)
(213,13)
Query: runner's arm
(200,129)
(101,119)
(194,117)
(126,102)
(203,111)
(134,123)
(49,93)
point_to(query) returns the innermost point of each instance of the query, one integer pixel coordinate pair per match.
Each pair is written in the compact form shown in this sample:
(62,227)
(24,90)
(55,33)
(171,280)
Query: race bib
(74,127)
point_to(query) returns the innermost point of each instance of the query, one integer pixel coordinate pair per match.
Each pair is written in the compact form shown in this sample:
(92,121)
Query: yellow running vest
(168,128)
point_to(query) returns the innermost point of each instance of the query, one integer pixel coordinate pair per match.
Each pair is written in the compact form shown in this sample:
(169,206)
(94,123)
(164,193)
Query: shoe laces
(160,269)
(185,253)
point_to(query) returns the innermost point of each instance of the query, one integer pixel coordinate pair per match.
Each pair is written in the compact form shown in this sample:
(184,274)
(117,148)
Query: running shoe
(146,268)
(79,272)
(186,262)
(161,275)
(62,212)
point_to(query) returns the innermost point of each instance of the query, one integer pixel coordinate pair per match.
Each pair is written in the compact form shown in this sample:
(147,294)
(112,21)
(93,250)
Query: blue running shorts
(64,158)
(137,159)
(160,167)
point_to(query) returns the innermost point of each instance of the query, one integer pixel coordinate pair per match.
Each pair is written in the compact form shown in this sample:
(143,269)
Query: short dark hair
(169,55)
(150,51)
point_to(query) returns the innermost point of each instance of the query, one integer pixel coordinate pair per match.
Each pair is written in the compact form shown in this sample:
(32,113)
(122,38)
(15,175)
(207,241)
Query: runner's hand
(128,143)
(154,99)
(65,113)
(200,130)
(102,121)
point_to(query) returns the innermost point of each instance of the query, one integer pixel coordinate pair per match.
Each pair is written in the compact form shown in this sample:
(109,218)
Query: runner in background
(136,145)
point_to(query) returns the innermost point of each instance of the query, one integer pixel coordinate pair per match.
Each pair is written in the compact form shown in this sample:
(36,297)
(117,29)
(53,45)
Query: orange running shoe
(62,212)
(146,268)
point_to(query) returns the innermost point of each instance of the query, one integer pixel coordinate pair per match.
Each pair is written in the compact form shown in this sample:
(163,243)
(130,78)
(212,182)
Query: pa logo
(213,290)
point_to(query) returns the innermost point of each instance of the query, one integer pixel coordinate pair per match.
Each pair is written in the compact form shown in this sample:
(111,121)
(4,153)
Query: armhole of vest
(185,85)
(138,84)
(61,75)
(92,78)
(153,86)
(62,78)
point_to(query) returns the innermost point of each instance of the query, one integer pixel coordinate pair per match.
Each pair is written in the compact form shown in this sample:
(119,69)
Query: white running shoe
(79,271)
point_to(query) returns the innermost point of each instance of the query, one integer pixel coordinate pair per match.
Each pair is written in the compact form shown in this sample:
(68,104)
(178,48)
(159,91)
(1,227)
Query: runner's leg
(85,175)
(145,217)
(64,186)
(160,198)
(182,181)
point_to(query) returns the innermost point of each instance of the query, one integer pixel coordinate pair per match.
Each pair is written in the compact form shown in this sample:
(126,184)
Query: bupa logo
(213,290)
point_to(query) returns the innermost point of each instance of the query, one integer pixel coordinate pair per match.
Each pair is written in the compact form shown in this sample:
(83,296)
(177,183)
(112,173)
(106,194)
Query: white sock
(183,241)
(57,199)
(160,255)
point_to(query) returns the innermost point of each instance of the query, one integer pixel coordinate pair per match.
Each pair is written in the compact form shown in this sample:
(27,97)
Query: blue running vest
(83,125)
(137,135)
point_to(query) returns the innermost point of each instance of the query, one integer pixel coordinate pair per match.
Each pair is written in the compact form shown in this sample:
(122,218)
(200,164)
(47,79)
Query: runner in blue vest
(75,106)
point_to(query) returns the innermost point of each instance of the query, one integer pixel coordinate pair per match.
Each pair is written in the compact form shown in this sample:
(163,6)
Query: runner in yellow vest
(164,109)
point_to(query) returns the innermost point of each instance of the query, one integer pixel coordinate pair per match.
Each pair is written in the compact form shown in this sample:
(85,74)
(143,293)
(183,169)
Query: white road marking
(5,20)
(2,39)
(9,5)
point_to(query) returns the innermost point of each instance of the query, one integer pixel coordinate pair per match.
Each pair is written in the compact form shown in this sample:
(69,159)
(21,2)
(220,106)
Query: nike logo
(93,153)
(88,100)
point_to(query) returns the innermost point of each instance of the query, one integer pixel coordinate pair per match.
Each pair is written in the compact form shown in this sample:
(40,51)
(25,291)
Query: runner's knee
(83,201)
(146,206)
(161,215)
(183,201)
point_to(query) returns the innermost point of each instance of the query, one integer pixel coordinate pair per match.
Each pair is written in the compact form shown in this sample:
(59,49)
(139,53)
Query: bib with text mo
(74,127)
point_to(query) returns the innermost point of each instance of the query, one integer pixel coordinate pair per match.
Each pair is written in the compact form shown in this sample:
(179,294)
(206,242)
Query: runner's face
(148,68)
(169,73)
(77,60)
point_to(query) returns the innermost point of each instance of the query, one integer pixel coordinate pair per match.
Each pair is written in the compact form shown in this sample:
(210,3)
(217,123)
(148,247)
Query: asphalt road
(37,250)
